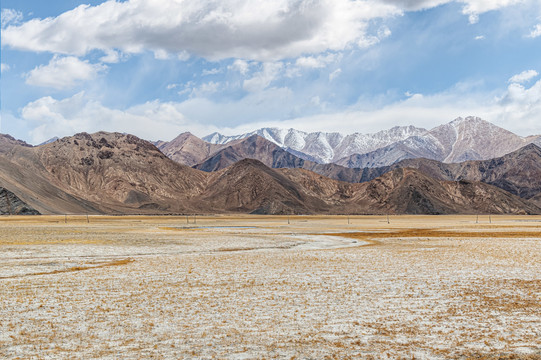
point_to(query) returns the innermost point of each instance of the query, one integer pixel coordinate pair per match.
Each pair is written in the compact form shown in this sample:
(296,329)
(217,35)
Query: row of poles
(194,217)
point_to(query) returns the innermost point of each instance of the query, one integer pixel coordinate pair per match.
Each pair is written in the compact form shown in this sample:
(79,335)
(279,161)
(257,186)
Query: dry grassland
(441,287)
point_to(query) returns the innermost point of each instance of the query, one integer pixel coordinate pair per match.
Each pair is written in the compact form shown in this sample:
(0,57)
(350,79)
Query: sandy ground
(246,287)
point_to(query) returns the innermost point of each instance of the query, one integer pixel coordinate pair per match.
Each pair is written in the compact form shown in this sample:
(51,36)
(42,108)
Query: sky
(157,68)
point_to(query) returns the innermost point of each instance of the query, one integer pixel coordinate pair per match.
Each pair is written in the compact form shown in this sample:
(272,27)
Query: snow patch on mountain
(325,147)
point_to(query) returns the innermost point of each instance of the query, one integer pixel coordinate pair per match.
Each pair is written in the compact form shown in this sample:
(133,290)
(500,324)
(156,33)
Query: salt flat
(245,287)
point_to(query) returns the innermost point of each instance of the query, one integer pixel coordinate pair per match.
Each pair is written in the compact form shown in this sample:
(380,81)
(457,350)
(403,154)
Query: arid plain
(254,287)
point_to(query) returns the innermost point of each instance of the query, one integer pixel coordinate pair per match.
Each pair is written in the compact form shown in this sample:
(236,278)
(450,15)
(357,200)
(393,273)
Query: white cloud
(214,29)
(516,108)
(214,71)
(415,5)
(240,65)
(10,17)
(151,120)
(261,80)
(111,57)
(479,37)
(523,77)
(316,62)
(371,40)
(206,89)
(536,31)
(63,73)
(473,8)
(335,74)
(4,67)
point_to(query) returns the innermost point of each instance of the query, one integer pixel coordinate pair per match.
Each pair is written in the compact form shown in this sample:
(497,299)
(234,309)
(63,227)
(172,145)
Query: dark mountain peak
(248,163)
(104,144)
(8,142)
(528,149)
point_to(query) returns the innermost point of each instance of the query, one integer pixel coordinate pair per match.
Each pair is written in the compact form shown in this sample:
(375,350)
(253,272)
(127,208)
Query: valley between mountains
(468,166)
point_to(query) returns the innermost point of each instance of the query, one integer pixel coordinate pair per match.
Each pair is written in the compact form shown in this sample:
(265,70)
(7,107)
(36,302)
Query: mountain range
(117,173)
(324,147)
(462,139)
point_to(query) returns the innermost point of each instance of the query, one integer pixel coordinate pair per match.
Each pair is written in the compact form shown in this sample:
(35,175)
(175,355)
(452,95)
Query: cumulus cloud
(536,31)
(4,67)
(316,62)
(152,120)
(262,79)
(214,71)
(473,8)
(240,65)
(520,107)
(10,17)
(516,108)
(523,77)
(50,117)
(214,29)
(63,73)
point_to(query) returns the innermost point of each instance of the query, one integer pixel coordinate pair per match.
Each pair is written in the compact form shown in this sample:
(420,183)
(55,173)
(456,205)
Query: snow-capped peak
(322,146)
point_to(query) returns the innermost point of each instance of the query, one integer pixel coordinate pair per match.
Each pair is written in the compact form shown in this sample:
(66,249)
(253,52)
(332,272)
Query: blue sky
(156,68)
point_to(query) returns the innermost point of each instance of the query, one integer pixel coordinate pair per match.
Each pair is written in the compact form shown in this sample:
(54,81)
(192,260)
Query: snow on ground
(257,287)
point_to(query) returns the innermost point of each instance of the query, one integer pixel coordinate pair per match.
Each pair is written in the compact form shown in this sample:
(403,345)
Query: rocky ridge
(323,147)
(122,174)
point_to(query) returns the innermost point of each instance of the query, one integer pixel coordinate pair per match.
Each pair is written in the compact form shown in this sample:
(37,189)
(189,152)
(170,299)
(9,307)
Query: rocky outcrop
(10,204)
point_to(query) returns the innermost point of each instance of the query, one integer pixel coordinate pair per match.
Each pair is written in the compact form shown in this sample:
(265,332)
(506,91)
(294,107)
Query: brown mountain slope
(253,147)
(8,142)
(111,172)
(518,172)
(28,181)
(270,154)
(116,169)
(250,186)
(408,191)
(189,150)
